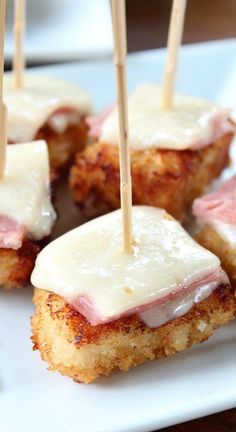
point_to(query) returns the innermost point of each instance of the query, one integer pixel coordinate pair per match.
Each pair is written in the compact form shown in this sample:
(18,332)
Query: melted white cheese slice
(30,107)
(25,188)
(88,261)
(191,123)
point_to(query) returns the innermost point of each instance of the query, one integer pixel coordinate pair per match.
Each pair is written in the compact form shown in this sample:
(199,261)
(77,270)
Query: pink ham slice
(65,111)
(95,122)
(219,205)
(87,308)
(11,233)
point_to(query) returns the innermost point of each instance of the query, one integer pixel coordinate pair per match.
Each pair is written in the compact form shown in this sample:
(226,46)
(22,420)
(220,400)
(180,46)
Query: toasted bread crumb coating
(16,266)
(161,178)
(75,348)
(211,240)
(63,146)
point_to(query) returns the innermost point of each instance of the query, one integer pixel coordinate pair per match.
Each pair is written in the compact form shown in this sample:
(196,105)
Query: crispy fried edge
(162,178)
(63,146)
(210,239)
(16,266)
(75,348)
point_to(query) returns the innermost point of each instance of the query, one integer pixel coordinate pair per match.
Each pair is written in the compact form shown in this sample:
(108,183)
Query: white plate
(63,30)
(197,382)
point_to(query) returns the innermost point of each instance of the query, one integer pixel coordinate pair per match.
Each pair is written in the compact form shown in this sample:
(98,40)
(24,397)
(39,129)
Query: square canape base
(83,352)
(16,266)
(210,239)
(160,178)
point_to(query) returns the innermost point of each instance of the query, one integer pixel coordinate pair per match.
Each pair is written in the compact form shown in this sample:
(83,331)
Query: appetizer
(175,153)
(49,109)
(99,309)
(216,213)
(26,212)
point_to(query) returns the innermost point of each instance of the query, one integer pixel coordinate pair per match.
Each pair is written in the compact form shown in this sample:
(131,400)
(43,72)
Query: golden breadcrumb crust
(161,178)
(16,266)
(63,146)
(75,348)
(211,240)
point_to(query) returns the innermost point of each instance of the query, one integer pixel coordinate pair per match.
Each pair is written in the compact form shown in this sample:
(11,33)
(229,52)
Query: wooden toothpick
(18,58)
(119,30)
(174,41)
(3,111)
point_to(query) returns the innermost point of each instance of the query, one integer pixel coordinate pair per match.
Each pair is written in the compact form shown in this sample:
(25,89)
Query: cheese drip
(192,123)
(32,106)
(159,315)
(225,230)
(87,265)
(25,188)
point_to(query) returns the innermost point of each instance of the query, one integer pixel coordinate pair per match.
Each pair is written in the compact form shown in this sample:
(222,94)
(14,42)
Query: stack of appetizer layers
(100,308)
(111,312)
(48,115)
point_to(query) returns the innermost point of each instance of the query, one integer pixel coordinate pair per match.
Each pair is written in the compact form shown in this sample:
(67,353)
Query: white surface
(164,392)
(63,29)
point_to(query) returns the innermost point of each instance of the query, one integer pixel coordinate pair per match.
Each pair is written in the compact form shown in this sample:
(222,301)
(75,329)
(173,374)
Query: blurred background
(205,20)
(61,30)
